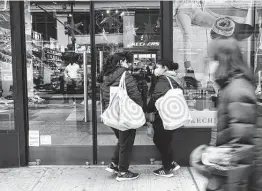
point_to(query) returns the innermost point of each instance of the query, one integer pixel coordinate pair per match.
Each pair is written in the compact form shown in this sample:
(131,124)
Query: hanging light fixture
(122,14)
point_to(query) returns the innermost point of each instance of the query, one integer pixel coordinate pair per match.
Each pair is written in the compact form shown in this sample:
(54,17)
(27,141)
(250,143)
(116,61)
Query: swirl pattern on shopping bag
(173,108)
(130,110)
(114,111)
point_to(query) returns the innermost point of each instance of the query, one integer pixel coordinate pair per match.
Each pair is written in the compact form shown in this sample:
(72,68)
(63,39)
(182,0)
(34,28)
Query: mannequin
(188,12)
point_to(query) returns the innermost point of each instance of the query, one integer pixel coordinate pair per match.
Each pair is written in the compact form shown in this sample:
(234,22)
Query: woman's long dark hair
(231,62)
(169,64)
(112,63)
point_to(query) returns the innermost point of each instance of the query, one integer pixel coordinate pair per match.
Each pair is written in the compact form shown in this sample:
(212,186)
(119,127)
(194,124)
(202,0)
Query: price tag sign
(33,138)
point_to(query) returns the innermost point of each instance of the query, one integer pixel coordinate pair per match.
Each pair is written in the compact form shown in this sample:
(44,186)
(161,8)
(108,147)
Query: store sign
(45,140)
(82,49)
(143,44)
(33,138)
(203,119)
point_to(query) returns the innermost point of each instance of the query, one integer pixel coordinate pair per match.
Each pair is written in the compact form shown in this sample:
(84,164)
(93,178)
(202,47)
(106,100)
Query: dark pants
(70,87)
(164,142)
(123,148)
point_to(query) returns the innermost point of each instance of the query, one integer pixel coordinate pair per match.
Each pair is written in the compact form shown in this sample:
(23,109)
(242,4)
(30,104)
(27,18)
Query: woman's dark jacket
(236,117)
(161,87)
(113,79)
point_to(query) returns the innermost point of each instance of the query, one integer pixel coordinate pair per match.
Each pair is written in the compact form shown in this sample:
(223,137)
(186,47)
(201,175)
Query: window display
(59,45)
(196,24)
(59,103)
(6,73)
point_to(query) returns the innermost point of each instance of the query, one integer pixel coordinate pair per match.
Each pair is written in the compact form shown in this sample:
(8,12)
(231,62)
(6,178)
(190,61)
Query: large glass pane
(258,51)
(130,27)
(6,74)
(59,81)
(196,24)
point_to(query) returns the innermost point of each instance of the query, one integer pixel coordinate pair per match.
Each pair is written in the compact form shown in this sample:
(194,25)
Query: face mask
(158,71)
(124,64)
(213,65)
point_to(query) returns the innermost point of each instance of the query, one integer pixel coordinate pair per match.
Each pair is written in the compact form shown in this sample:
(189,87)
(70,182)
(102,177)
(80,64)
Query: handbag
(110,116)
(228,155)
(131,114)
(173,109)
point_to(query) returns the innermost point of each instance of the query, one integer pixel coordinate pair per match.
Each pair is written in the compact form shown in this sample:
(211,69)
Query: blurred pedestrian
(236,118)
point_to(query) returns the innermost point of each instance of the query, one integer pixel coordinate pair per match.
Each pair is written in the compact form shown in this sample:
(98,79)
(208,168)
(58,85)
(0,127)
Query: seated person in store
(71,73)
(113,69)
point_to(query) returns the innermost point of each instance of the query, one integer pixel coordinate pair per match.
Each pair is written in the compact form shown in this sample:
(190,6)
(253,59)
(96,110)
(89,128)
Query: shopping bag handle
(122,84)
(170,83)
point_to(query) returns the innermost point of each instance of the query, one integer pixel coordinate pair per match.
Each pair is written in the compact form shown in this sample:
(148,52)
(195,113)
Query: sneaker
(121,176)
(163,172)
(112,167)
(175,166)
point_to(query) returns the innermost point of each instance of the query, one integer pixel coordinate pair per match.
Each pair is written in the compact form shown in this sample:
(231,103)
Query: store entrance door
(59,83)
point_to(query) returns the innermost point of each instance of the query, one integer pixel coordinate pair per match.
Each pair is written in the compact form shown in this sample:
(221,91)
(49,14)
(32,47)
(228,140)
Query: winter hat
(227,28)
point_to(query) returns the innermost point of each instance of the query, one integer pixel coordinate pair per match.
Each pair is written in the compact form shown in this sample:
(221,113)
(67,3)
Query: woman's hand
(150,117)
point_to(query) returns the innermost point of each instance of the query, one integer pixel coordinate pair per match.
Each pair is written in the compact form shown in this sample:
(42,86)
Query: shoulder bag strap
(122,84)
(170,83)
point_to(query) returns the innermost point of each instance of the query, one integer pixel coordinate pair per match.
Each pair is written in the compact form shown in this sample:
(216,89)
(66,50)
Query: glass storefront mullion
(13,110)
(93,79)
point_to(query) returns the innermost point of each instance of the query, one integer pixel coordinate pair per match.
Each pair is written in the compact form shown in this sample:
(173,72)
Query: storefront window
(59,62)
(258,51)
(136,31)
(195,25)
(6,74)
(58,75)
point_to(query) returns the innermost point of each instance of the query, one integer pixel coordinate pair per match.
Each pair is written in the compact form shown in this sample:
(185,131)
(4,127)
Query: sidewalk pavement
(95,178)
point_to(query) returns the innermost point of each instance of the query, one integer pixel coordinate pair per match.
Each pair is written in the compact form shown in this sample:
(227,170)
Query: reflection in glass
(129,27)
(59,103)
(6,74)
(195,25)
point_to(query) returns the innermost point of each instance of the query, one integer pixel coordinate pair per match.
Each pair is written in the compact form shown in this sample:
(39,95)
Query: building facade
(47,120)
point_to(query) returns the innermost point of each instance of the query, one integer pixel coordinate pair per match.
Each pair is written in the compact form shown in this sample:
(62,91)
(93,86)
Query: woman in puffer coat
(163,138)
(236,117)
(113,69)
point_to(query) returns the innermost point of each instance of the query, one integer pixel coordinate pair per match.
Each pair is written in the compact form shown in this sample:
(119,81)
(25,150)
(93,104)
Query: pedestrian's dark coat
(236,113)
(113,79)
